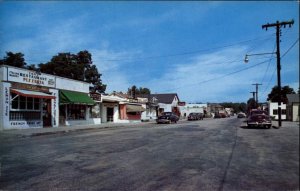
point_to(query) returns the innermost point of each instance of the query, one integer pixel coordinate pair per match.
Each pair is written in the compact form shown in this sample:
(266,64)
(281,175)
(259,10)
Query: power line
(290,48)
(212,79)
(182,53)
(271,58)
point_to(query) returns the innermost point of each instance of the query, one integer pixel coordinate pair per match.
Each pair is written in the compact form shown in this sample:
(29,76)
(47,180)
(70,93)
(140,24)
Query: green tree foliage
(75,66)
(251,104)
(274,95)
(137,91)
(14,59)
(237,107)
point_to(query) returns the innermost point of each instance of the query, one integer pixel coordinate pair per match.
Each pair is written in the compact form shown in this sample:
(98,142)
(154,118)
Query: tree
(237,107)
(274,95)
(137,91)
(14,59)
(75,66)
(251,104)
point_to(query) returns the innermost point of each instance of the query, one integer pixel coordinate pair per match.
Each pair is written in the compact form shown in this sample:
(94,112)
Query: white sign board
(25,124)
(30,77)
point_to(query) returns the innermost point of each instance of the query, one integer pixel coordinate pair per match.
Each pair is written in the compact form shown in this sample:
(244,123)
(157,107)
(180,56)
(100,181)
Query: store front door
(47,113)
(110,114)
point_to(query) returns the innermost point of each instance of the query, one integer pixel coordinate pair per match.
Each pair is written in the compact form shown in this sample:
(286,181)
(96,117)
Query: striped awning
(134,108)
(27,93)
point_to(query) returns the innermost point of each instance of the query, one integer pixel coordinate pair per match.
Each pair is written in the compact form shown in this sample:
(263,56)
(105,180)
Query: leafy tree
(137,91)
(75,66)
(14,59)
(251,104)
(237,107)
(274,95)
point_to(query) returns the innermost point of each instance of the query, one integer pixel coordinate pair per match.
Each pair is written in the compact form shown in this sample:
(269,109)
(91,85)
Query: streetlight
(246,60)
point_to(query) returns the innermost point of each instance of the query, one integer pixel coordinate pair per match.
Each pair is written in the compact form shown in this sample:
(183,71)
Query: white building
(35,100)
(273,110)
(192,108)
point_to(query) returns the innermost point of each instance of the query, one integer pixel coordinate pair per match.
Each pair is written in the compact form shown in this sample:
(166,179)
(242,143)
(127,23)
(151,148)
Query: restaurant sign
(30,77)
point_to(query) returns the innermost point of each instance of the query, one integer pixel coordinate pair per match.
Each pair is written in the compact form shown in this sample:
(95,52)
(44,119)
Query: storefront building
(110,108)
(35,100)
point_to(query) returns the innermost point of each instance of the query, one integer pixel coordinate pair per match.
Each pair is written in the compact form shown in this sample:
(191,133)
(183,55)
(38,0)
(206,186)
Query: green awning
(134,108)
(70,97)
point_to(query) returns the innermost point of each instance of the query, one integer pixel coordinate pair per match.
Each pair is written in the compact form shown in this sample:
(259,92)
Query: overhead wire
(237,71)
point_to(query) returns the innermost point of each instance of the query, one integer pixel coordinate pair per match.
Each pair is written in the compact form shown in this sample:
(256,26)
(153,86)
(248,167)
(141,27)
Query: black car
(167,117)
(259,118)
(193,116)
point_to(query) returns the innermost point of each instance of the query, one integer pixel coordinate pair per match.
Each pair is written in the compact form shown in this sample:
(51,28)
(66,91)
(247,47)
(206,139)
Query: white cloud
(192,80)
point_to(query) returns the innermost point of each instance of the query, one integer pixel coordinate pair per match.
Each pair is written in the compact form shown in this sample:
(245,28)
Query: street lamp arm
(247,55)
(260,54)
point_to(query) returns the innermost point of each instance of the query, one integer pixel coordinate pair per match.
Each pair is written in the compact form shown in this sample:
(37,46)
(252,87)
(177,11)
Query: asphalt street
(213,154)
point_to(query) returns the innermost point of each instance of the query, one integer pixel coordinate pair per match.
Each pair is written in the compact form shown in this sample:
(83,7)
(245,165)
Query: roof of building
(292,98)
(165,98)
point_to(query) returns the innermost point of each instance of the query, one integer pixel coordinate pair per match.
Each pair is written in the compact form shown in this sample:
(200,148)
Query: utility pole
(256,93)
(253,94)
(278,25)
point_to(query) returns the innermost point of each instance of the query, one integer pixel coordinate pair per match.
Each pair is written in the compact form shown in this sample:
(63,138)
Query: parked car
(217,115)
(259,118)
(193,116)
(201,116)
(167,117)
(223,115)
(241,115)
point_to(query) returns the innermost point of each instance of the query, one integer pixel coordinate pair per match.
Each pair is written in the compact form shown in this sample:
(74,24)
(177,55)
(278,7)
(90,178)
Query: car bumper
(163,121)
(259,123)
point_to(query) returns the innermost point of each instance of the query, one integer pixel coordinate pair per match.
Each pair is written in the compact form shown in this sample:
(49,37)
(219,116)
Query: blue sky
(195,49)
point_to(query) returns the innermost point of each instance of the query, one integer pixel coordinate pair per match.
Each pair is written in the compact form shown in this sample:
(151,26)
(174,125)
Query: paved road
(218,154)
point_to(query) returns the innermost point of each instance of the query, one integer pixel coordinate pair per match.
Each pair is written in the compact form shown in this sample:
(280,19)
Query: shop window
(275,112)
(76,112)
(24,103)
(30,103)
(36,104)
(15,102)
(24,115)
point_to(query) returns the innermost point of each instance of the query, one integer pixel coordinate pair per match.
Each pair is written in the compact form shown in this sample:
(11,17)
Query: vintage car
(167,117)
(193,116)
(259,118)
(241,115)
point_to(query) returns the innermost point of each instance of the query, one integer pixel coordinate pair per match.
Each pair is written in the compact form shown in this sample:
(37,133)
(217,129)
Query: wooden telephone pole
(278,25)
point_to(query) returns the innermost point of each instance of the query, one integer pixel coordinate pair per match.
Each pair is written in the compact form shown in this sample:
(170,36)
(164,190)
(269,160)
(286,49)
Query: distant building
(293,107)
(273,110)
(192,108)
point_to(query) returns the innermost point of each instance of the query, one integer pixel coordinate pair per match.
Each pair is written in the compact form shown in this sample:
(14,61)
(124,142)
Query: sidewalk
(286,124)
(65,129)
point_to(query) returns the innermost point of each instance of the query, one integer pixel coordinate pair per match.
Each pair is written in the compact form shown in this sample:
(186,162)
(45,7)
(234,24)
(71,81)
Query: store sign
(95,96)
(25,124)
(29,77)
(6,101)
(54,108)
(29,87)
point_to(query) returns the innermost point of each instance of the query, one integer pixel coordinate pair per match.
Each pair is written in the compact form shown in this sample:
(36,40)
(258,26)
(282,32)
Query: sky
(193,48)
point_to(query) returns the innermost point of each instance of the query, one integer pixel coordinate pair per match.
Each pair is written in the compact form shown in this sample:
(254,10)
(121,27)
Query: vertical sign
(54,108)
(6,105)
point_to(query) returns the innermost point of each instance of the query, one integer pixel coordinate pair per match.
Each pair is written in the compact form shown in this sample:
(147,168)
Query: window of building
(76,112)
(21,103)
(283,111)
